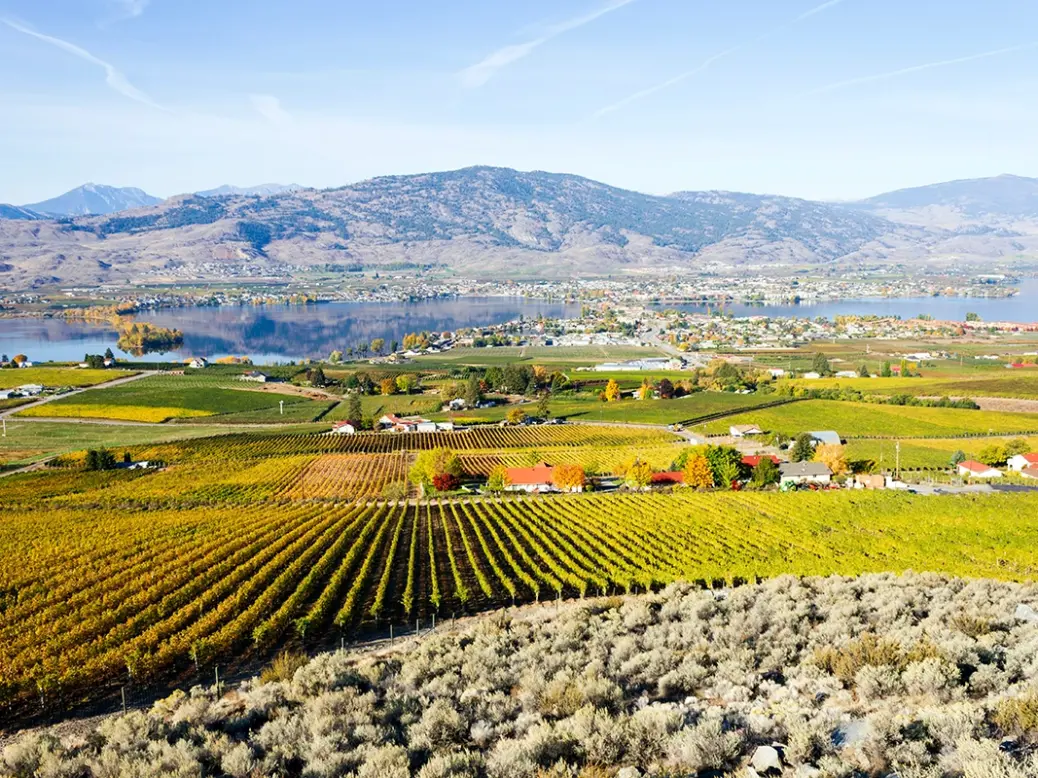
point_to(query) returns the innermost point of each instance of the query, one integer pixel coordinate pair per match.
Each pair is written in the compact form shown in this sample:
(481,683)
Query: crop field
(587,407)
(252,445)
(57,377)
(158,398)
(925,454)
(594,459)
(95,594)
(375,406)
(868,420)
(999,382)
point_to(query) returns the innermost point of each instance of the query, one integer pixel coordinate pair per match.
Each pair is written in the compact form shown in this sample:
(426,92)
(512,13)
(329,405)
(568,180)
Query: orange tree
(697,472)
(568,478)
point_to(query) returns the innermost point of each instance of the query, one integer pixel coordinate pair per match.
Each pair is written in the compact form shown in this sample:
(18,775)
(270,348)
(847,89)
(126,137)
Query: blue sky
(837,99)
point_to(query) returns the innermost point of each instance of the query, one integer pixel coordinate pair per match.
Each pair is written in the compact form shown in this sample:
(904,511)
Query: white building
(1021,462)
(805,473)
(343,428)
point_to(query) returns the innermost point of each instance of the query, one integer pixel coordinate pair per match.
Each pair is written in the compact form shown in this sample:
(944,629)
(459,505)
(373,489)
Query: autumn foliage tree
(833,457)
(433,463)
(515,416)
(568,478)
(612,390)
(698,474)
(387,386)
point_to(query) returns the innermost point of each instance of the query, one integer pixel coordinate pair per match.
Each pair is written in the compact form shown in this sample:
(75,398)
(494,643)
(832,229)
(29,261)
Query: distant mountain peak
(1005,195)
(92,199)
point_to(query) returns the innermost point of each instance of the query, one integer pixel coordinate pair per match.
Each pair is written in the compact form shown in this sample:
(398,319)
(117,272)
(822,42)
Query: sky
(826,99)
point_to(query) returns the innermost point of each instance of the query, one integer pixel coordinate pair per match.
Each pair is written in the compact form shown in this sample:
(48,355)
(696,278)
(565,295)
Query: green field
(157,398)
(923,454)
(57,377)
(1020,384)
(865,420)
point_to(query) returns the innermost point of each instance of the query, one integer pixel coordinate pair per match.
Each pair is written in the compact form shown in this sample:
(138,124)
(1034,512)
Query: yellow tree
(568,478)
(387,386)
(612,390)
(515,416)
(833,457)
(645,392)
(636,474)
(698,474)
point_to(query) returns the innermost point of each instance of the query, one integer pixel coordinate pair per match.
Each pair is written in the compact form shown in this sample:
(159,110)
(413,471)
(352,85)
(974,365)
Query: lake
(273,333)
(1022,308)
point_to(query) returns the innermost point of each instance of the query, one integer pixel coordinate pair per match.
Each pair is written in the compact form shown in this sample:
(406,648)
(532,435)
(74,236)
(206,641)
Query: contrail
(477,75)
(706,64)
(113,77)
(917,68)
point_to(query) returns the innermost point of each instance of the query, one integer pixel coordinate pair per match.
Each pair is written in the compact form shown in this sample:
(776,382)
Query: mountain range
(93,199)
(498,222)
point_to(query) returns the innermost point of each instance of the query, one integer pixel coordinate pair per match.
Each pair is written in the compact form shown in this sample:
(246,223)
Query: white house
(255,376)
(812,375)
(425,426)
(445,426)
(457,404)
(846,374)
(805,473)
(530,479)
(742,430)
(343,428)
(1021,462)
(198,362)
(973,469)
(828,437)
(30,390)
(776,372)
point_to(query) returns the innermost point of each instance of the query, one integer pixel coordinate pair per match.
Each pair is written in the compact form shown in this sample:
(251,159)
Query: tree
(515,415)
(335,357)
(407,382)
(725,464)
(636,474)
(645,390)
(473,392)
(728,473)
(445,482)
(100,459)
(863,371)
(94,361)
(19,359)
(886,372)
(820,364)
(494,377)
(429,464)
(109,355)
(833,457)
(315,376)
(543,406)
(498,479)
(1017,446)
(698,474)
(993,455)
(905,369)
(612,391)
(377,345)
(803,448)
(957,458)
(971,316)
(765,472)
(568,478)
(354,409)
(3,359)
(665,388)
(387,386)
(394,347)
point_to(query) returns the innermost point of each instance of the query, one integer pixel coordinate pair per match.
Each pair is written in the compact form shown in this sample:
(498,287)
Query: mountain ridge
(94,199)
(484,221)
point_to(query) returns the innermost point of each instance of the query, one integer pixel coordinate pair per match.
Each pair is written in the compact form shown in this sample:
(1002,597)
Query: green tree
(971,316)
(820,364)
(430,464)
(725,464)
(473,392)
(765,472)
(863,371)
(315,376)
(803,448)
(354,409)
(886,372)
(394,347)
(544,406)
(993,455)
(335,357)
(957,458)
(906,371)
(109,355)
(1017,446)
(407,383)
(498,481)
(377,345)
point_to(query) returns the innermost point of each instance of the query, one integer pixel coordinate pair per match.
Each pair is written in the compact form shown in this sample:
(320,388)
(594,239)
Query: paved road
(51,398)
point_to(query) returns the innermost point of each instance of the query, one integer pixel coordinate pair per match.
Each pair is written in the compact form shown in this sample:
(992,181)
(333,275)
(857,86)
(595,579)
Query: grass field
(1022,384)
(158,398)
(57,377)
(375,406)
(864,420)
(923,454)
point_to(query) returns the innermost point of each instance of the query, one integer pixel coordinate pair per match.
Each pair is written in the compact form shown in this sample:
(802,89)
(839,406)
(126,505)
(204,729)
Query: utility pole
(897,466)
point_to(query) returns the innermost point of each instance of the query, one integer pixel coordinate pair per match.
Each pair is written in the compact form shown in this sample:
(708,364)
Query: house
(144,464)
(445,426)
(974,469)
(425,426)
(1030,472)
(255,376)
(670,478)
(742,430)
(26,363)
(776,372)
(344,428)
(411,424)
(828,437)
(530,479)
(866,481)
(812,375)
(804,473)
(846,374)
(1021,462)
(457,404)
(30,390)
(198,362)
(752,460)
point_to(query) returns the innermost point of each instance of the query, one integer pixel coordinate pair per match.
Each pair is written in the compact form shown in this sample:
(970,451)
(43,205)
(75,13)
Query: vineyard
(95,593)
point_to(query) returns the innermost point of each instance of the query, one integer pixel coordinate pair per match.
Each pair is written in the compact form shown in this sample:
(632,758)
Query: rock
(766,759)
(628,772)
(1026,613)
(807,771)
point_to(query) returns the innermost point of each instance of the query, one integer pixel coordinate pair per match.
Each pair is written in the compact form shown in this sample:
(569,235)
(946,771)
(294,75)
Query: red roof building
(668,479)
(530,479)
(753,460)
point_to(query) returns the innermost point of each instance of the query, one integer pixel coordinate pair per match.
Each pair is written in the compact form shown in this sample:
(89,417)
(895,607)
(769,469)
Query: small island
(140,338)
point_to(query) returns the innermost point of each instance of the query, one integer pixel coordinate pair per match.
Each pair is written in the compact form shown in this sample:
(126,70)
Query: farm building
(255,376)
(742,430)
(535,479)
(670,478)
(1030,472)
(457,404)
(973,469)
(752,460)
(828,437)
(1021,462)
(805,473)
(344,428)
(198,362)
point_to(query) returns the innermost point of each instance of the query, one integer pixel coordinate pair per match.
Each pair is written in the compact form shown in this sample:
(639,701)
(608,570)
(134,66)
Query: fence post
(122,690)
(217,670)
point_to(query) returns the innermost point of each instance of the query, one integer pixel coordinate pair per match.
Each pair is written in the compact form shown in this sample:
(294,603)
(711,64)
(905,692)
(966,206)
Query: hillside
(260,189)
(490,222)
(920,675)
(94,199)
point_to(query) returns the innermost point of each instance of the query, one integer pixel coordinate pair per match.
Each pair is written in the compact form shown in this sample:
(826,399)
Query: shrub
(284,666)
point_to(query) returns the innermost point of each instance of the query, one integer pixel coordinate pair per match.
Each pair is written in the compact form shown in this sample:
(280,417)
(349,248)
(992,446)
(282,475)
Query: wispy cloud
(113,76)
(131,9)
(710,61)
(480,73)
(269,107)
(918,68)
